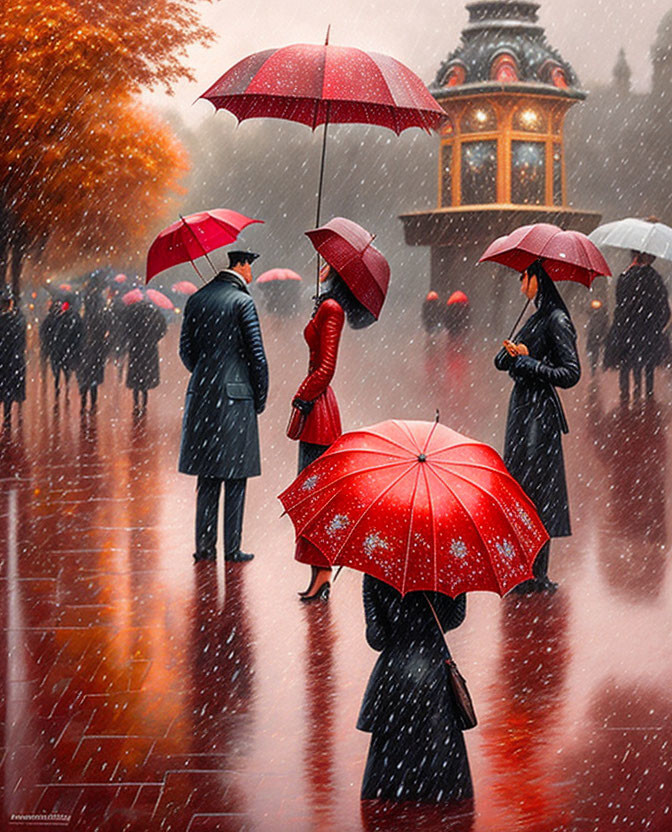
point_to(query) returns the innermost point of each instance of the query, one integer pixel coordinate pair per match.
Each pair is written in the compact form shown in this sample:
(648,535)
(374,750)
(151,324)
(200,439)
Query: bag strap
(438,624)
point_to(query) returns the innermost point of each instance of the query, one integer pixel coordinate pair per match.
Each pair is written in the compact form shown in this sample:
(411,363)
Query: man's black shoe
(206,554)
(238,557)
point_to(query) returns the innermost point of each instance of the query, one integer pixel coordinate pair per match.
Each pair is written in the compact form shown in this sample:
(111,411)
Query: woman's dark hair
(547,296)
(357,314)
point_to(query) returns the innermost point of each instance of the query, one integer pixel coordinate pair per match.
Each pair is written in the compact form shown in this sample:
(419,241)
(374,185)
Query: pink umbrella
(347,247)
(134,296)
(120,278)
(278,274)
(185,287)
(157,298)
(194,236)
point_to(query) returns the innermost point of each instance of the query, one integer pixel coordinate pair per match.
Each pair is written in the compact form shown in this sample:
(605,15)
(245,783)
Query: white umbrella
(638,235)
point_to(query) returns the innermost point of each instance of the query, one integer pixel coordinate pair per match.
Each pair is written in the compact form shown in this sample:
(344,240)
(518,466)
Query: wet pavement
(142,691)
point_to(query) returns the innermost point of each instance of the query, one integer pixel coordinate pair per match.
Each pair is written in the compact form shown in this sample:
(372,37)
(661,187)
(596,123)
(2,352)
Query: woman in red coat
(316,400)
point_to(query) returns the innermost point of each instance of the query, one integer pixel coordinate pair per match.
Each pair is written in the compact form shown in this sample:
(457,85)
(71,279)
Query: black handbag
(457,687)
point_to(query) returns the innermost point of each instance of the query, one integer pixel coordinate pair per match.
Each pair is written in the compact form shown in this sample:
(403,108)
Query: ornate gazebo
(506,92)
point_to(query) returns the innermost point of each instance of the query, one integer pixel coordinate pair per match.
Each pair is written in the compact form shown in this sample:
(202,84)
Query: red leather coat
(322,334)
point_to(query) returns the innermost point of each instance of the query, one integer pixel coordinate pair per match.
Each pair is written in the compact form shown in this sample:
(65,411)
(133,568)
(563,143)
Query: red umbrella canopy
(315,84)
(565,255)
(278,274)
(194,236)
(419,506)
(347,247)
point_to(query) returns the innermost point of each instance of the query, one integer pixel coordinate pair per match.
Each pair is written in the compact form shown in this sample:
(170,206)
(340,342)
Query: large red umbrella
(419,506)
(194,236)
(347,247)
(565,255)
(322,84)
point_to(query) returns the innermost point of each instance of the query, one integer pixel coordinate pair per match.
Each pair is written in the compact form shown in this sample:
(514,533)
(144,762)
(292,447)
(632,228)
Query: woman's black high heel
(322,594)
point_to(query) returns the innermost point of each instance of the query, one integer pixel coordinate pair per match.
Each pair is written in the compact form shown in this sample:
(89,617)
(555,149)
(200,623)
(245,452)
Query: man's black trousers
(207,509)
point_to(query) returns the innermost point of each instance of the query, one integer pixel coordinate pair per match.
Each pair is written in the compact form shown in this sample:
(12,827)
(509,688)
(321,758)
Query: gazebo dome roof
(504,47)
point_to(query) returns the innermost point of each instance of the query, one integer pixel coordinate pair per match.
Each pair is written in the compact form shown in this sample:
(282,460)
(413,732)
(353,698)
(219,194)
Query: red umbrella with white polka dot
(420,507)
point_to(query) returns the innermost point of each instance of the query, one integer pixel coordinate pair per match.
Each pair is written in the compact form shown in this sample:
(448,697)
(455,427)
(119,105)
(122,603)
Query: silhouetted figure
(221,346)
(417,750)
(91,366)
(637,341)
(61,333)
(541,357)
(145,327)
(117,343)
(12,355)
(431,313)
(457,314)
(596,333)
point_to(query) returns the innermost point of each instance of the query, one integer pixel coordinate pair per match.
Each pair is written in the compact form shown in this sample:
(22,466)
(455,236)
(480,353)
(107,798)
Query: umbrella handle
(195,236)
(319,187)
(515,326)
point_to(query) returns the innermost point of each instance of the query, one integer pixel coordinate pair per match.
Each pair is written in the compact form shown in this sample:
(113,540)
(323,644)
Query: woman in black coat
(637,340)
(541,357)
(12,355)
(417,750)
(145,327)
(95,339)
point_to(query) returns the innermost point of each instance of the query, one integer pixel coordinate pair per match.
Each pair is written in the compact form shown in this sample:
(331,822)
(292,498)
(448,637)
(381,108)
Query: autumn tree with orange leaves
(84,169)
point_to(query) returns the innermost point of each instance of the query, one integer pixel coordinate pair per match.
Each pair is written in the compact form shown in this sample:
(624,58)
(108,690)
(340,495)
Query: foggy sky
(588,33)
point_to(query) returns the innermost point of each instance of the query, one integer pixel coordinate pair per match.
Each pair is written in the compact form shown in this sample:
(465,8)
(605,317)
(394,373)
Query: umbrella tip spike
(437,415)
(326,40)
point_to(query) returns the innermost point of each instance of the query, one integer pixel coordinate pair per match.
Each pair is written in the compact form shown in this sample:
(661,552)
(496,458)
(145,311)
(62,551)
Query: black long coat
(95,339)
(533,446)
(636,337)
(221,346)
(145,326)
(12,356)
(417,750)
(61,334)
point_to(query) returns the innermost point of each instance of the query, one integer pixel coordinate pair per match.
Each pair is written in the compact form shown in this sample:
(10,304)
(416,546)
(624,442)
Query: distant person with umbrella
(637,341)
(144,327)
(94,348)
(355,291)
(596,333)
(12,355)
(431,313)
(61,334)
(221,346)
(541,357)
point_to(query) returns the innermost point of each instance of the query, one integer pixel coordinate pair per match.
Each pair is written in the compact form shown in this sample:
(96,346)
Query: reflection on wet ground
(140,691)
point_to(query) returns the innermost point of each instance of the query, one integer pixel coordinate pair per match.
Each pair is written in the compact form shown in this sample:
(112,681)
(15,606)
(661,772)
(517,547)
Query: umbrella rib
(473,523)
(492,497)
(431,433)
(350,450)
(450,447)
(369,432)
(330,484)
(366,511)
(410,531)
(406,430)
(433,528)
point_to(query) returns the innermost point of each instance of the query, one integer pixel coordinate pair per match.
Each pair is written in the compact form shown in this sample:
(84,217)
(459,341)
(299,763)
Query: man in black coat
(221,346)
(12,355)
(637,339)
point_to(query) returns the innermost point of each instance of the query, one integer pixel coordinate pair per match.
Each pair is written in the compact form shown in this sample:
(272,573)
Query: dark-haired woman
(541,357)
(317,401)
